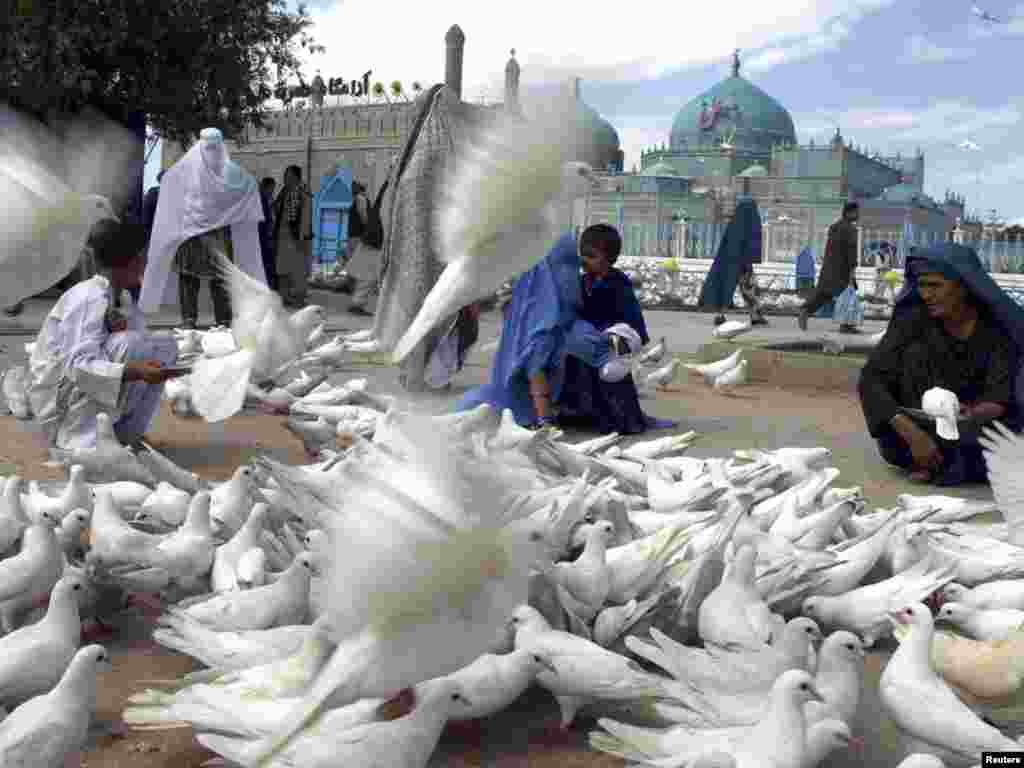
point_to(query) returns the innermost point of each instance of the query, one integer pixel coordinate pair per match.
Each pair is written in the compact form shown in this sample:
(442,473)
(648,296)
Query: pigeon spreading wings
(266,336)
(48,213)
(506,201)
(1004,457)
(422,569)
(984,15)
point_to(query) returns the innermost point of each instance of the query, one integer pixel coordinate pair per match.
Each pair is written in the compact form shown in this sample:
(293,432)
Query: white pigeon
(865,610)
(944,406)
(407,742)
(734,615)
(923,707)
(285,601)
(27,578)
(731,329)
(112,541)
(992,624)
(75,494)
(13,520)
(421,583)
(166,505)
(731,379)
(493,682)
(164,469)
(1004,458)
(15,391)
(267,338)
(654,353)
(711,371)
(663,376)
(781,733)
(1005,593)
(232,501)
(33,658)
(588,577)
(109,459)
(583,669)
(69,533)
(228,649)
(225,574)
(503,210)
(51,729)
(183,559)
(48,217)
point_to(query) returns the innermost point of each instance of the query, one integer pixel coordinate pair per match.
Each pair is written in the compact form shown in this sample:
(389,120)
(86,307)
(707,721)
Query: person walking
(733,267)
(289,248)
(149,203)
(266,228)
(838,267)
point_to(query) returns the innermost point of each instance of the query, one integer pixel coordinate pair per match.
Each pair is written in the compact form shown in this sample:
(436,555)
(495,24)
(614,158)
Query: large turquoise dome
(734,112)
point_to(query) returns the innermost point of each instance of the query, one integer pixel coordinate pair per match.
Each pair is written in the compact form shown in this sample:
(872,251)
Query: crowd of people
(569,325)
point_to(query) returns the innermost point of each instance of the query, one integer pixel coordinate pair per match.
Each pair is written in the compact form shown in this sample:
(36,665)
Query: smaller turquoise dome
(756,170)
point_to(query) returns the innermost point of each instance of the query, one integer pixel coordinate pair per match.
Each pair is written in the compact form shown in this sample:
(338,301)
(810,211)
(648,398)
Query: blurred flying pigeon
(984,15)
(506,205)
(48,213)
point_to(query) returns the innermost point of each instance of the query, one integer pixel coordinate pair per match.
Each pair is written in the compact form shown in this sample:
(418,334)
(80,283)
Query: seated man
(92,353)
(953,328)
(592,395)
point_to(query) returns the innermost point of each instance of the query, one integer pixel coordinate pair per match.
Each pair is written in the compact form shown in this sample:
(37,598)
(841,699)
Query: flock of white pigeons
(427,569)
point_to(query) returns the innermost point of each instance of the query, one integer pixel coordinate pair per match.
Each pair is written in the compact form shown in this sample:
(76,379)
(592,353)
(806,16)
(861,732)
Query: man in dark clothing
(952,328)
(838,267)
(267,186)
(149,206)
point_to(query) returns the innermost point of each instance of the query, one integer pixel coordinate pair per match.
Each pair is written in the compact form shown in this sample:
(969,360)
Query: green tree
(185,64)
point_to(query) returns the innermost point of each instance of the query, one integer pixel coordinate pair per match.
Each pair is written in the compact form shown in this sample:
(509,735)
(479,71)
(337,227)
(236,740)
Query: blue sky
(893,74)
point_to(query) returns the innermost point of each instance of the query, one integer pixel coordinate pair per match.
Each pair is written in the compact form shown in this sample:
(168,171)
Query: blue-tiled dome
(737,112)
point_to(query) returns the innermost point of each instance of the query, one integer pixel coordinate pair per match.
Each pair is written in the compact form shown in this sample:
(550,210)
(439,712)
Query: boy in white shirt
(93,353)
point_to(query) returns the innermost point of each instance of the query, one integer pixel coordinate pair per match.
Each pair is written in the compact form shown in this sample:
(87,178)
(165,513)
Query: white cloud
(945,122)
(555,40)
(924,50)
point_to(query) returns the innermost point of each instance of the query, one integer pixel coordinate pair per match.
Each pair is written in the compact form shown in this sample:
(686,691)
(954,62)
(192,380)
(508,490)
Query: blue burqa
(960,262)
(739,249)
(538,319)
(805,264)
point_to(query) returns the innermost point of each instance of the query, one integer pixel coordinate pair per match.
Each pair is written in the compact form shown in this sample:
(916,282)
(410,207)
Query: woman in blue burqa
(561,341)
(952,328)
(734,263)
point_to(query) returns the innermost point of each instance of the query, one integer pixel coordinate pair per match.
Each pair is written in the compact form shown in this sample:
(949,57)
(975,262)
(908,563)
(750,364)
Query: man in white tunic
(93,353)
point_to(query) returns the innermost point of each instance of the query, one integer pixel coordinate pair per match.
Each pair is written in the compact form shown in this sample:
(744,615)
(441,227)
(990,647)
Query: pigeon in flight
(985,15)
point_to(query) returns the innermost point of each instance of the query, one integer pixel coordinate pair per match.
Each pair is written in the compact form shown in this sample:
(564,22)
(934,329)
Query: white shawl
(195,199)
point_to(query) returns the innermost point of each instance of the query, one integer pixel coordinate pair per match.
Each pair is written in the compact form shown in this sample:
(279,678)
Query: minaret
(512,85)
(454,43)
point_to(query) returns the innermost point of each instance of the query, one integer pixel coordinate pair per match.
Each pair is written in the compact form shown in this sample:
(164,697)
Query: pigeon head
(307,563)
(817,608)
(81,673)
(77,520)
(801,631)
(67,588)
(954,613)
(316,540)
(797,686)
(916,615)
(844,646)
(528,617)
(446,695)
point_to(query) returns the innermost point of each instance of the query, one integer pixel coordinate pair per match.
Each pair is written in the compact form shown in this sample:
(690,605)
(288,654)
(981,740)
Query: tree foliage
(184,63)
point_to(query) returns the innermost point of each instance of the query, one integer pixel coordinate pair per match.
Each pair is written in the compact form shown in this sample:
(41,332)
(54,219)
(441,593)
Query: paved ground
(762,415)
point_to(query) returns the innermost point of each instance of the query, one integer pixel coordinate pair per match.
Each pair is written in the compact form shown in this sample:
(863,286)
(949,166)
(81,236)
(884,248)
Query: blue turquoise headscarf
(533,338)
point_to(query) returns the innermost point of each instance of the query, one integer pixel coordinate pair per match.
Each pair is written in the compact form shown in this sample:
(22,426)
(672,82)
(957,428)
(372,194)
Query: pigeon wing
(1004,457)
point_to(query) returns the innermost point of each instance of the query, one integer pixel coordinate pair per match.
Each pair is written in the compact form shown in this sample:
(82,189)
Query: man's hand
(149,371)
